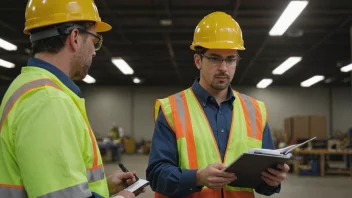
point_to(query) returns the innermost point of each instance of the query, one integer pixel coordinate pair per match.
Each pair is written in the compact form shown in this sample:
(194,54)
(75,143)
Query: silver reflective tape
(95,175)
(23,89)
(251,112)
(12,192)
(80,190)
(180,110)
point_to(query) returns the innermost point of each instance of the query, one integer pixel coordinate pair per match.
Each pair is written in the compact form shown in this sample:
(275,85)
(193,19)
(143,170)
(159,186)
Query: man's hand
(214,177)
(275,177)
(125,194)
(116,181)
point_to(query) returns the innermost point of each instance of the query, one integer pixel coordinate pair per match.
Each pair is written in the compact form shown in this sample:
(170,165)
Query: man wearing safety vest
(47,147)
(200,130)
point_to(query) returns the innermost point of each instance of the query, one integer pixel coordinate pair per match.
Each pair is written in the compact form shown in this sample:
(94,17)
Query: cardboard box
(304,127)
(318,126)
(300,127)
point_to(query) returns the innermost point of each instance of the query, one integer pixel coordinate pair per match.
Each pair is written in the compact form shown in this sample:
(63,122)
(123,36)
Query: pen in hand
(124,169)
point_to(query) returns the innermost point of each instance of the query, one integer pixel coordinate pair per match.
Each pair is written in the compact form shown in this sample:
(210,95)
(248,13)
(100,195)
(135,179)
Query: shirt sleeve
(49,145)
(267,143)
(163,172)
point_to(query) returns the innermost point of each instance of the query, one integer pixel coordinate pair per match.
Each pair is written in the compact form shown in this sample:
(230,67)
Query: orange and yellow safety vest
(196,144)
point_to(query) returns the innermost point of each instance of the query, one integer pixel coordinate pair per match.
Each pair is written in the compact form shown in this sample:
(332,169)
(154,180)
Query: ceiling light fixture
(165,22)
(264,83)
(286,65)
(346,68)
(311,81)
(136,80)
(288,16)
(7,45)
(6,64)
(122,66)
(89,79)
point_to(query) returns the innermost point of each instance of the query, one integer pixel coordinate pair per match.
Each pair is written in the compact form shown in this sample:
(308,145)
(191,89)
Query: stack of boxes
(305,127)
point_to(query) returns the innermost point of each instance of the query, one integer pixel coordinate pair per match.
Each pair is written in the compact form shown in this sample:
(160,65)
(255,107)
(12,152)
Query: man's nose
(223,66)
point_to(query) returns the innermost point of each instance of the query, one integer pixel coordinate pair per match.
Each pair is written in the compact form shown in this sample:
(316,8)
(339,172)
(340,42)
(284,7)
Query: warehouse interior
(303,74)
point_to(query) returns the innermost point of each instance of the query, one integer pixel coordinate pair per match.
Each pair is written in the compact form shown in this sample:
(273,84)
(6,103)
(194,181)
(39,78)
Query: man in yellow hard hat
(47,147)
(200,130)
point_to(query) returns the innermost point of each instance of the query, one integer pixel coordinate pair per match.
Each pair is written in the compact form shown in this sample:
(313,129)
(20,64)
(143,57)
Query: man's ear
(73,40)
(197,61)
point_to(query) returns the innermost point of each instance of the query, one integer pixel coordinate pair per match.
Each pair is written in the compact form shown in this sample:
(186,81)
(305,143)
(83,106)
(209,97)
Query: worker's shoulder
(177,93)
(249,97)
(34,90)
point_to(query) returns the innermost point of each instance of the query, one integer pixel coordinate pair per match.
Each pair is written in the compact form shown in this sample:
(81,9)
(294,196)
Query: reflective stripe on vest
(253,116)
(12,191)
(21,91)
(95,173)
(80,190)
(196,143)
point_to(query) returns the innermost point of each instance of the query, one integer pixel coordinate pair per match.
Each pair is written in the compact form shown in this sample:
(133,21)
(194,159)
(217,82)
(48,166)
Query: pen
(124,169)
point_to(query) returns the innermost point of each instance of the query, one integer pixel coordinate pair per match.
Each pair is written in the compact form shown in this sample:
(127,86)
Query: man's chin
(220,87)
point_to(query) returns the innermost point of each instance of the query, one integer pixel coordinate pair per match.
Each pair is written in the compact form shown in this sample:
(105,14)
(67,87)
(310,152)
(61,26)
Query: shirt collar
(204,97)
(35,62)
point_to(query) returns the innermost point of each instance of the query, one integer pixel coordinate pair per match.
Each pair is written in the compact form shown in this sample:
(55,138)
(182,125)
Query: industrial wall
(132,107)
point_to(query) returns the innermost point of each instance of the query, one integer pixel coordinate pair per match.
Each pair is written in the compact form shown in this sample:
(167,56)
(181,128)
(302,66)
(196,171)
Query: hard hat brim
(218,46)
(102,27)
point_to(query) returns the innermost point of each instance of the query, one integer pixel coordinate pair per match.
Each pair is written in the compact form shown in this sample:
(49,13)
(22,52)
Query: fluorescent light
(89,79)
(6,64)
(264,83)
(165,22)
(311,81)
(136,80)
(346,68)
(286,65)
(7,46)
(293,9)
(122,66)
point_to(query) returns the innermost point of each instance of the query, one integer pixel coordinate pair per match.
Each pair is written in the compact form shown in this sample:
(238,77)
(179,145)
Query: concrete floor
(293,187)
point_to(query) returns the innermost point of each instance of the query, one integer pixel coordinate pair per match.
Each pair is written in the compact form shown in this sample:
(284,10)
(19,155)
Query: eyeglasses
(98,41)
(217,61)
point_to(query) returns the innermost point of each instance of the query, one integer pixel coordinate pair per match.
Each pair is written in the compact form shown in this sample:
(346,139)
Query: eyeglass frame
(64,29)
(67,28)
(99,37)
(236,57)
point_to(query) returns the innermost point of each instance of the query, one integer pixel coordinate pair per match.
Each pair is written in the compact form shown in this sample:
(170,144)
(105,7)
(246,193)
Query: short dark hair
(200,50)
(56,43)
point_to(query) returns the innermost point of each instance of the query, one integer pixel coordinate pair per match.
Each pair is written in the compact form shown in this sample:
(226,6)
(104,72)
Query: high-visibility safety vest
(62,162)
(196,144)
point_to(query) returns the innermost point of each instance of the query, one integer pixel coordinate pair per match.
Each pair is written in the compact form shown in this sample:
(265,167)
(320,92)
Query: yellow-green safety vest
(47,146)
(196,144)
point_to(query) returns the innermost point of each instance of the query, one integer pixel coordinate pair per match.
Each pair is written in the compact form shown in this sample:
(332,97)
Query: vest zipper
(222,192)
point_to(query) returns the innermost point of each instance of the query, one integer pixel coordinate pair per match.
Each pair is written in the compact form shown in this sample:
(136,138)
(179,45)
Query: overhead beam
(200,10)
(114,20)
(7,26)
(351,55)
(143,10)
(328,35)
(235,7)
(167,39)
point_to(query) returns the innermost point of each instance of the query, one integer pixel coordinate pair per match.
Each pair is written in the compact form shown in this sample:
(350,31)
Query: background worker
(47,147)
(200,130)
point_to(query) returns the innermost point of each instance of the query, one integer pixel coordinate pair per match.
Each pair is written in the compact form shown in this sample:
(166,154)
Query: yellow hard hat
(40,13)
(218,30)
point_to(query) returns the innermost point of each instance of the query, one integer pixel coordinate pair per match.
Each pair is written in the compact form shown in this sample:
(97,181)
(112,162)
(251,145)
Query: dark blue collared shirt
(163,171)
(35,62)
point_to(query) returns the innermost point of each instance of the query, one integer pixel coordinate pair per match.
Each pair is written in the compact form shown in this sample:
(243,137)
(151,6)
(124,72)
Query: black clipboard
(248,168)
